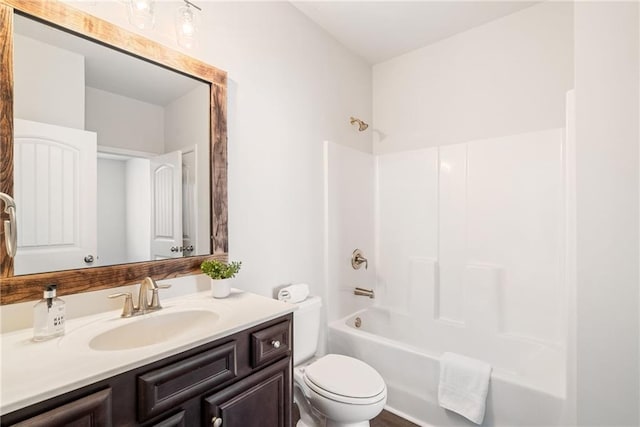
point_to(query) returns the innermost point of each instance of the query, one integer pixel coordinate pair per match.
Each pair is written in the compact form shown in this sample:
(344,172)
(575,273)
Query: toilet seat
(345,379)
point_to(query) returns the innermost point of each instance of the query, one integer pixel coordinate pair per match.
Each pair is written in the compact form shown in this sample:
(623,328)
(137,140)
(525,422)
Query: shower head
(361,125)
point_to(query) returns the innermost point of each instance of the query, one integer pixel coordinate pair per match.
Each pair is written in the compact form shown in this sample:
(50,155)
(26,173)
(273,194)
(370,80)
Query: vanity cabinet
(242,380)
(91,410)
(256,401)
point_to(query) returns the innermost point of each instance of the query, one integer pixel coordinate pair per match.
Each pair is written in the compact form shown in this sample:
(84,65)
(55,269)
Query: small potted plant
(221,274)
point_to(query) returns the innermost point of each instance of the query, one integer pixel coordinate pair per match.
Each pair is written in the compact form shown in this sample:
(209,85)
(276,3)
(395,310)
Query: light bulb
(141,14)
(188,29)
(186,26)
(142,5)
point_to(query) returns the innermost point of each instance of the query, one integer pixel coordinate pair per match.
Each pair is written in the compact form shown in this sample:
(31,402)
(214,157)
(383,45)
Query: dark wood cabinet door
(260,400)
(177,420)
(90,411)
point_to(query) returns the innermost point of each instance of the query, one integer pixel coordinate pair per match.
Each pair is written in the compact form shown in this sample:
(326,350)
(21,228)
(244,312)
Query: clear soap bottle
(48,316)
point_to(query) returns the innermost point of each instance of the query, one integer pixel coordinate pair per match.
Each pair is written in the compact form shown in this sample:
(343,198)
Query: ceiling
(381,30)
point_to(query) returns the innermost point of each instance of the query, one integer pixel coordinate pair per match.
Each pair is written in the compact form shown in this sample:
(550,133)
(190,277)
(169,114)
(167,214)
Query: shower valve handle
(357,259)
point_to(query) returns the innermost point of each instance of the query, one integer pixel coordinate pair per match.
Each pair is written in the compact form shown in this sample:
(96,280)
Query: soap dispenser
(48,316)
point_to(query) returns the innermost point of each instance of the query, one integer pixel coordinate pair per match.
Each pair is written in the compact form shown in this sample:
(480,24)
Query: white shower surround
(490,213)
(470,258)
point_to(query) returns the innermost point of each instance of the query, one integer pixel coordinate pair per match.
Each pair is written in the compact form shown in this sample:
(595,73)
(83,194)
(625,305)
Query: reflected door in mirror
(55,189)
(166,206)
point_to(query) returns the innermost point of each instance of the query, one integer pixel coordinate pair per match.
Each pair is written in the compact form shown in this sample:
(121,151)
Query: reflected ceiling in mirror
(111,155)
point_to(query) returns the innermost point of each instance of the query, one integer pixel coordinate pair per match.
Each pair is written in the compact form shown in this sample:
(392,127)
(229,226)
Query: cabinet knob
(275,344)
(216,422)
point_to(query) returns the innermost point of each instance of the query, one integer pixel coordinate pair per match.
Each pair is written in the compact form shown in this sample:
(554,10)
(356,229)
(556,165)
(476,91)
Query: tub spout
(364,292)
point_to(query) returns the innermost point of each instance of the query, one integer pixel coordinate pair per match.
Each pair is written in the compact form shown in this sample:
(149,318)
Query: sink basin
(154,329)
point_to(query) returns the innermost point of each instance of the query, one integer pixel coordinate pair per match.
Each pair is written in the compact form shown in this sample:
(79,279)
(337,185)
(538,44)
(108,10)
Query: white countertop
(32,372)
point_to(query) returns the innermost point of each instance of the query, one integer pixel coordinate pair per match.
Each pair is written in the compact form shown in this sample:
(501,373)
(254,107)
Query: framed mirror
(115,154)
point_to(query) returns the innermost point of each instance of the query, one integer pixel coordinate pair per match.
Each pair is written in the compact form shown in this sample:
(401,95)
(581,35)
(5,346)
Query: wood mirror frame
(22,288)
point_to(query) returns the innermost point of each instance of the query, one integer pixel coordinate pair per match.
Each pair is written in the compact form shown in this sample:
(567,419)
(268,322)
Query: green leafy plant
(220,269)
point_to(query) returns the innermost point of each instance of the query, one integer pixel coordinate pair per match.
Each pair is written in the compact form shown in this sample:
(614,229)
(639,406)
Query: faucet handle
(128,309)
(155,299)
(357,259)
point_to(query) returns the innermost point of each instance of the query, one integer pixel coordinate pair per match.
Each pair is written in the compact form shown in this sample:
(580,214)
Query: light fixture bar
(192,4)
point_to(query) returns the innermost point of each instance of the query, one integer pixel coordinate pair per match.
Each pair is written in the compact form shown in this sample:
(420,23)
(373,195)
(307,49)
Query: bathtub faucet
(364,292)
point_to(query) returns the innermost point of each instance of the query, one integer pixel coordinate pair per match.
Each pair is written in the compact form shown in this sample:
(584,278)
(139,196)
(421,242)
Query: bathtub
(527,382)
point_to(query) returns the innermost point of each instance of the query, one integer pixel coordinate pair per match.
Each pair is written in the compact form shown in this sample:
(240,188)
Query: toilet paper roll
(294,293)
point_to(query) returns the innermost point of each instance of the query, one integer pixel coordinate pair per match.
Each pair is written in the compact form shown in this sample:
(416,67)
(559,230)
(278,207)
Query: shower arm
(10,225)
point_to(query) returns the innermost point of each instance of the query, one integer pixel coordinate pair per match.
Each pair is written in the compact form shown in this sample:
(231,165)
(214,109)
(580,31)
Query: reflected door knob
(216,422)
(88,259)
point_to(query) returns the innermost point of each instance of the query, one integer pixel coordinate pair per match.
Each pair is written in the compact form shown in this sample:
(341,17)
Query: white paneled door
(55,184)
(166,206)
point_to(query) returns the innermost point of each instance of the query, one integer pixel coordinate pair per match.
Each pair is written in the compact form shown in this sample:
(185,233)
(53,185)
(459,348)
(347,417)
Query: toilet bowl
(345,391)
(332,390)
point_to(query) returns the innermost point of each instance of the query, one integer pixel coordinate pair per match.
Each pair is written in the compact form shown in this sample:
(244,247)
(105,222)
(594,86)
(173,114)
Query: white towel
(294,293)
(464,383)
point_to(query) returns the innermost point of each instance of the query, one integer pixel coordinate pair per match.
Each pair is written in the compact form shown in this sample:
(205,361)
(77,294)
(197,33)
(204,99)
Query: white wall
(291,86)
(606,79)
(124,122)
(55,97)
(111,205)
(138,203)
(187,125)
(506,77)
(349,215)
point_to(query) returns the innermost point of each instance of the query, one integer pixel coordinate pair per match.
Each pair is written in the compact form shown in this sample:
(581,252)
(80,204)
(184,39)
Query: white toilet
(332,390)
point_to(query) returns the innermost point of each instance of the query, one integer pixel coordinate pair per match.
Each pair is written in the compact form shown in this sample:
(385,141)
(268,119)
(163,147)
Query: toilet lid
(345,376)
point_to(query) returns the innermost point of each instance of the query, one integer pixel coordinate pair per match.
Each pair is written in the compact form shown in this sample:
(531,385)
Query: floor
(385,419)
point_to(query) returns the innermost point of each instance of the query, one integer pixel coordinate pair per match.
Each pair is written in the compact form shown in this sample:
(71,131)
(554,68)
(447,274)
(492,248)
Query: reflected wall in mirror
(111,155)
(138,161)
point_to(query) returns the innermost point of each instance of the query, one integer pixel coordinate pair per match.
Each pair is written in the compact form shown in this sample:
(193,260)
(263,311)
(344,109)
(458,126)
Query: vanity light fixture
(141,14)
(187,24)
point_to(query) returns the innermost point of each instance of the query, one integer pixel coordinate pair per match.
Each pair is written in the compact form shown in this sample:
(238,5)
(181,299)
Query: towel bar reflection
(10,225)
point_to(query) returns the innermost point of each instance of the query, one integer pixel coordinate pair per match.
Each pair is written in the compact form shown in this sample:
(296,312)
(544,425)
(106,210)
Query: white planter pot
(220,288)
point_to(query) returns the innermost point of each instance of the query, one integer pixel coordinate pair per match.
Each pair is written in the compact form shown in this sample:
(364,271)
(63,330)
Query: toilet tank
(306,329)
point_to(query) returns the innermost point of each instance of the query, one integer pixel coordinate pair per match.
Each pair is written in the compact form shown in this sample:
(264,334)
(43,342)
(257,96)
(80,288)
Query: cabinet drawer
(270,343)
(169,386)
(93,410)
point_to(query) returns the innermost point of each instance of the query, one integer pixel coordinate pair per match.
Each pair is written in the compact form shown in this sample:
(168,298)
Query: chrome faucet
(148,285)
(144,305)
